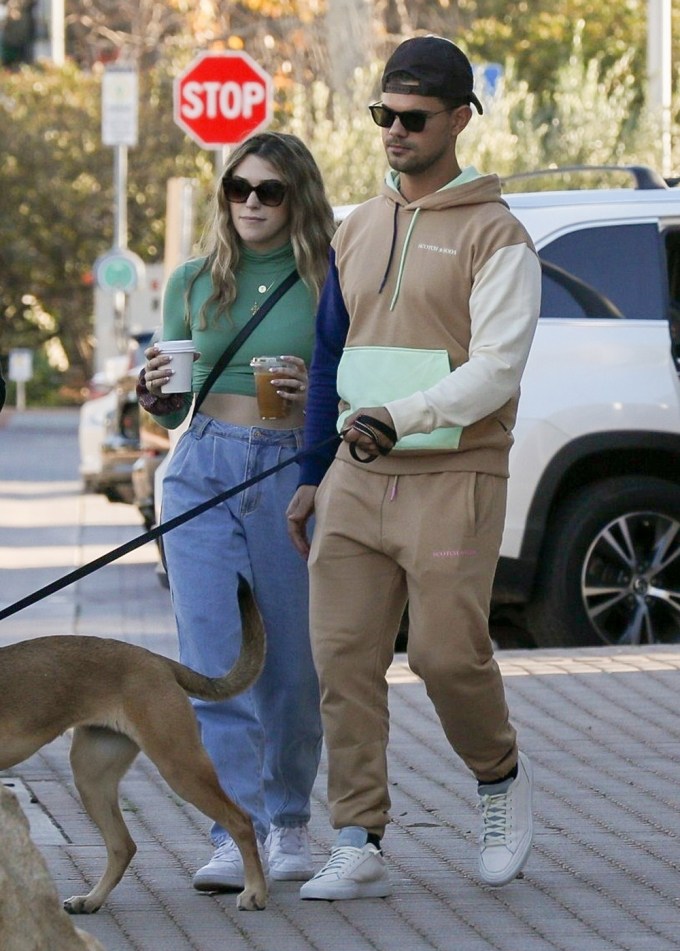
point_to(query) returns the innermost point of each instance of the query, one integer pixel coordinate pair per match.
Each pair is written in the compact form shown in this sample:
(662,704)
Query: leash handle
(367,425)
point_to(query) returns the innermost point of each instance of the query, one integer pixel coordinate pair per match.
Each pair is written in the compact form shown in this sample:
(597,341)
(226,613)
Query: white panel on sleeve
(504,308)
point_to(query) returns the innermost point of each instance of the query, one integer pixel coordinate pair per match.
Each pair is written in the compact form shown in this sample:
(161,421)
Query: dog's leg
(99,759)
(170,738)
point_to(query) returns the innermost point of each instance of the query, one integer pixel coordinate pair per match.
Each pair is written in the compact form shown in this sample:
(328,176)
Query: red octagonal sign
(222,98)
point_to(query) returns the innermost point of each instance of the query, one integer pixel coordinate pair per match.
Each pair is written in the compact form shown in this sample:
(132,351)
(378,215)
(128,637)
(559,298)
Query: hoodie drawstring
(394,241)
(402,261)
(403,254)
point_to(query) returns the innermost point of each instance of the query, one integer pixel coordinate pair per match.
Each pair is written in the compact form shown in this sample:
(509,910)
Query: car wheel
(610,571)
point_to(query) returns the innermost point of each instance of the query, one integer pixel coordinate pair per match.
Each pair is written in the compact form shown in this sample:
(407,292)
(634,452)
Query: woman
(270,215)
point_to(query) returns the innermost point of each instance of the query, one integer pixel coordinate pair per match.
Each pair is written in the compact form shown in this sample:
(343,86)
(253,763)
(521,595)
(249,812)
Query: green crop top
(287,329)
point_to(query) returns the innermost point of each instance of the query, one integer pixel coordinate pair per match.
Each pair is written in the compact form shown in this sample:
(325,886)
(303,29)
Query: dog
(120,699)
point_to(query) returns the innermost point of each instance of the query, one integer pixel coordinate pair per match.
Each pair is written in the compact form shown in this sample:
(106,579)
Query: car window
(617,270)
(138,344)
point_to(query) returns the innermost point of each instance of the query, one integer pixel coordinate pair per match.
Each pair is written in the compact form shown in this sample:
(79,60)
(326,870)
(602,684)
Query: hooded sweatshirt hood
(468,188)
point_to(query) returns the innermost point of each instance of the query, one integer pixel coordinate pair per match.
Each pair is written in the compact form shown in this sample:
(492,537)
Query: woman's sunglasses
(413,120)
(270,192)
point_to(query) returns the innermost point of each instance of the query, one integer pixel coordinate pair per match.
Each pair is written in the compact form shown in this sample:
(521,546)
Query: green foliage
(47,387)
(591,117)
(51,185)
(341,135)
(536,35)
(56,183)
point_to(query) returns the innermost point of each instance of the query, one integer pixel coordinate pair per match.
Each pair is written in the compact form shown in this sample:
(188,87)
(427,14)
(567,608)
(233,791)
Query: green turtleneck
(287,329)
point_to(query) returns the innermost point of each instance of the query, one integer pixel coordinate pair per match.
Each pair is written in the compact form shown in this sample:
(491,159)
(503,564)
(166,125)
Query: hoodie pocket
(373,376)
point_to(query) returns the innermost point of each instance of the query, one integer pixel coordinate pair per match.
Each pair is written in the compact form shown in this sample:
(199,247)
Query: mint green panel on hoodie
(373,376)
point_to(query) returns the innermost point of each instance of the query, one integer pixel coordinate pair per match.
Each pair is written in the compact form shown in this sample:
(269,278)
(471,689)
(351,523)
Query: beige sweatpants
(379,540)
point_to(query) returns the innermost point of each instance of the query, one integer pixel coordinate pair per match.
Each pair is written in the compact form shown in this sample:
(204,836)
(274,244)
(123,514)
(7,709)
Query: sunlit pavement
(601,726)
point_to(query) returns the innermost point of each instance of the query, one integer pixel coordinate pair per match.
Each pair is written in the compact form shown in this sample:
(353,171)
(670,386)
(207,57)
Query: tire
(610,568)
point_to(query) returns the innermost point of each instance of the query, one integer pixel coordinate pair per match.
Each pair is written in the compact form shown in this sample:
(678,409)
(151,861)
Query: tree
(538,36)
(56,200)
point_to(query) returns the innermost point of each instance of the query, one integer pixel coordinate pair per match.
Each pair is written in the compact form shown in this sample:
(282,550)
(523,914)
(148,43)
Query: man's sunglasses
(270,192)
(413,120)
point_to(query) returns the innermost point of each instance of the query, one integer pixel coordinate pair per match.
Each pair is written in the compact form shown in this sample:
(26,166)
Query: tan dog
(121,699)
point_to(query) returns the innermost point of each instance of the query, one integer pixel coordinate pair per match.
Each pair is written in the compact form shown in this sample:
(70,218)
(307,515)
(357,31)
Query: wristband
(156,405)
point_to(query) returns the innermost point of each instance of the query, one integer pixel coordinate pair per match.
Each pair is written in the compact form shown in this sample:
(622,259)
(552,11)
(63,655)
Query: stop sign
(222,98)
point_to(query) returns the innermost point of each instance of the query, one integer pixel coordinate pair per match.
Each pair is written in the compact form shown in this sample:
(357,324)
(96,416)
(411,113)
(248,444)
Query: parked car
(591,547)
(154,443)
(93,422)
(108,432)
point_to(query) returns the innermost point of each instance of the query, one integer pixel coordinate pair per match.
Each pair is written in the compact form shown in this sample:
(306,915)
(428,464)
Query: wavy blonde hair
(311,219)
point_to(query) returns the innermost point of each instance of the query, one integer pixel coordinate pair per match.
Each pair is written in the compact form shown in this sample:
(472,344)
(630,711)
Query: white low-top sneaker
(507,827)
(289,854)
(224,871)
(353,871)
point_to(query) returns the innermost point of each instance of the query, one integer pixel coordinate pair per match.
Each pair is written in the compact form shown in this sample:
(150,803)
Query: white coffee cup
(181,353)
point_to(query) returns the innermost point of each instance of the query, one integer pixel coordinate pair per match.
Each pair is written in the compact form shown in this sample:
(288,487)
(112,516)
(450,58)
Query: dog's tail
(249,663)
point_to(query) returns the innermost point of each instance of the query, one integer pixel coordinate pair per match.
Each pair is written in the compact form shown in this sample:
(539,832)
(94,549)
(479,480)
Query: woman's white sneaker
(289,854)
(224,871)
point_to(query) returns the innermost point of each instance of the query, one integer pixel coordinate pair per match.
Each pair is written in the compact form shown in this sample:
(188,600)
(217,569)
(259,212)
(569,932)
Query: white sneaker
(289,854)
(224,871)
(507,827)
(351,871)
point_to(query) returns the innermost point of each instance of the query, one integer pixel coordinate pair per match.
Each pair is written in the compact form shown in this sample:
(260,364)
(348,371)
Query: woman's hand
(293,386)
(158,369)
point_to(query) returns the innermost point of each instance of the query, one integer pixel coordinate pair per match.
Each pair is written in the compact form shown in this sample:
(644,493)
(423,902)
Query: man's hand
(369,440)
(298,513)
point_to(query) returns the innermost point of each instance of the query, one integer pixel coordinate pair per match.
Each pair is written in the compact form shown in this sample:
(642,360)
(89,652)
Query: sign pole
(119,271)
(120,175)
(20,370)
(221,157)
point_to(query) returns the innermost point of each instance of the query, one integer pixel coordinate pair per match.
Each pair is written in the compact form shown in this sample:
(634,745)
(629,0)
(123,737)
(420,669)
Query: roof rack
(643,176)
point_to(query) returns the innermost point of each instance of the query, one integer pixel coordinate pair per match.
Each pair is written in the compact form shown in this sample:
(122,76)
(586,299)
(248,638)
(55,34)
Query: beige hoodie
(453,271)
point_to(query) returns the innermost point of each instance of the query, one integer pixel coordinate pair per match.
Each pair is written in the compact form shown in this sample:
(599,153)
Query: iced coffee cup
(181,353)
(269,403)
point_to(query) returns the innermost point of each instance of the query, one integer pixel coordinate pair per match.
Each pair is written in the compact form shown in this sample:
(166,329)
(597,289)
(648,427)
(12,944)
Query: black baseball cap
(435,66)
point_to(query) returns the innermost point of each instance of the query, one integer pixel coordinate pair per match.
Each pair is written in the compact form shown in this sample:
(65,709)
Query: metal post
(57,42)
(179,222)
(120,173)
(221,157)
(49,43)
(659,73)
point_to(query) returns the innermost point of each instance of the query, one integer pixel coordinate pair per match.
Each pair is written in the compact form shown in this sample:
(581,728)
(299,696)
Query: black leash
(152,534)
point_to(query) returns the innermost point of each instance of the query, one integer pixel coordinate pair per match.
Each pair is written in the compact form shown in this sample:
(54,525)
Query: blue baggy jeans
(265,743)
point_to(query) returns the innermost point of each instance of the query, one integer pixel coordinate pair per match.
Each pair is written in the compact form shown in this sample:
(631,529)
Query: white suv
(591,548)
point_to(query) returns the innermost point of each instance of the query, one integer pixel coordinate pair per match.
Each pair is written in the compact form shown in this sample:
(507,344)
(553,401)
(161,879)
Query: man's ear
(460,118)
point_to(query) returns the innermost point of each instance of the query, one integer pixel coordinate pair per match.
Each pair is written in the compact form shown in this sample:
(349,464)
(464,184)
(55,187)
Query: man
(423,332)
